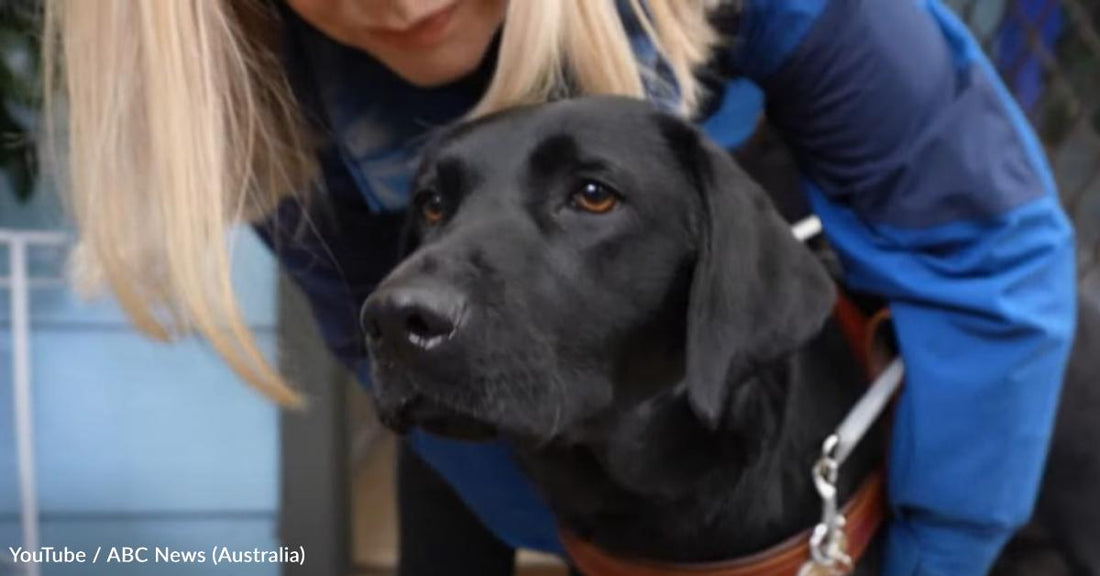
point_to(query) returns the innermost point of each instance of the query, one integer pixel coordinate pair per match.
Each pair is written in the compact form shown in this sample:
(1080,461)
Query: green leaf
(19,90)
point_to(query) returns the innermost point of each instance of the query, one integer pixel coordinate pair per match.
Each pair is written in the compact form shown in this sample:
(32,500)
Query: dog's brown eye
(595,198)
(431,206)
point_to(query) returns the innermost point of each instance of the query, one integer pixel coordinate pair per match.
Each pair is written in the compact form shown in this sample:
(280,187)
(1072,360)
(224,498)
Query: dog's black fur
(667,370)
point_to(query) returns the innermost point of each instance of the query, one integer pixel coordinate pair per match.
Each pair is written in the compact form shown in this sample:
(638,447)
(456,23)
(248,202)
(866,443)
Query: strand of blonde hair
(167,152)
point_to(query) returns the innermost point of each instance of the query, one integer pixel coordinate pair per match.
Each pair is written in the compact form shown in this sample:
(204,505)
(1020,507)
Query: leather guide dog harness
(835,545)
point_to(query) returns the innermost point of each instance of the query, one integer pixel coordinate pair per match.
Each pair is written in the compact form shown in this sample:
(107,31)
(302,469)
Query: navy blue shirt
(930,185)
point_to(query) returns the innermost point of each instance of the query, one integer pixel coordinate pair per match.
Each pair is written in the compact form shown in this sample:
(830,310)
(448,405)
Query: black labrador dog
(602,286)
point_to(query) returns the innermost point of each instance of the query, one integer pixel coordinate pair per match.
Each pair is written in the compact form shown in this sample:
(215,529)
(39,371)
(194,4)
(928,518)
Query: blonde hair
(180,125)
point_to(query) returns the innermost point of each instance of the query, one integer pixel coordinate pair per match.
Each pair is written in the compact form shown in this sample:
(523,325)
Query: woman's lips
(423,33)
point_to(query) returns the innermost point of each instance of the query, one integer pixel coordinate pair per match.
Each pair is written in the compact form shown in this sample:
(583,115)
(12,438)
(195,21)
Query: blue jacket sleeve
(935,192)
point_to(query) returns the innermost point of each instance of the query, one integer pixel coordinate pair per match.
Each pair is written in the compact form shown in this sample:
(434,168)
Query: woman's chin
(431,68)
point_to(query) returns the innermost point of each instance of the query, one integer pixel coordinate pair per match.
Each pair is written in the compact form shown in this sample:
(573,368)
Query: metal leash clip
(828,542)
(829,554)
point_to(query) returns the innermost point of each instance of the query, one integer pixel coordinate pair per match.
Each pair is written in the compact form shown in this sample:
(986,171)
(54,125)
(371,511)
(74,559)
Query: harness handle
(868,410)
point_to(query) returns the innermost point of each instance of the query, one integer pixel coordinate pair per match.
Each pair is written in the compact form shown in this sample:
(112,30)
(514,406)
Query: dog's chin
(436,419)
(459,427)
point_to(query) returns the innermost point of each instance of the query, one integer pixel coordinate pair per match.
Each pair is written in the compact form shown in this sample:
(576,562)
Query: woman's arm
(936,194)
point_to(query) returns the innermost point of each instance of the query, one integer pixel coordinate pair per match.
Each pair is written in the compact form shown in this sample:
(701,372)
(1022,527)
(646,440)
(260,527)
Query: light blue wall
(139,443)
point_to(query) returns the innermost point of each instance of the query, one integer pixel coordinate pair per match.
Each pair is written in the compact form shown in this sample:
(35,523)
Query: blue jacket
(929,182)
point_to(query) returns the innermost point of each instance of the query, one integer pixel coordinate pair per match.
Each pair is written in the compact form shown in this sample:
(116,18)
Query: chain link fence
(1048,53)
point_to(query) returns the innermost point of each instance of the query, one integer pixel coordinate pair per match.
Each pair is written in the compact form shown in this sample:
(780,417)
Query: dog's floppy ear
(756,294)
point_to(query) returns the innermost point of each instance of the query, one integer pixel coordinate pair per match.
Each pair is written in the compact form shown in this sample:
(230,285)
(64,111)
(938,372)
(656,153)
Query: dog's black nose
(420,318)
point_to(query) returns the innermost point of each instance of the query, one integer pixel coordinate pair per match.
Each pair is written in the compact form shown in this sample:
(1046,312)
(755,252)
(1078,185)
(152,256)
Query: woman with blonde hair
(187,117)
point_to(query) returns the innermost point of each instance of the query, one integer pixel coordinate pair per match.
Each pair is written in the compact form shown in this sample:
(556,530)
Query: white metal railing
(19,284)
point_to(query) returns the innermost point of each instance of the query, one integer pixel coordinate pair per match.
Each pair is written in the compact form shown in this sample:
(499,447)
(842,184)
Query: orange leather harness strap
(864,513)
(862,333)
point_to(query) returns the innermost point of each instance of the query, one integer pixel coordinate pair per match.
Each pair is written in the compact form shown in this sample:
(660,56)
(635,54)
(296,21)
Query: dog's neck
(656,482)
